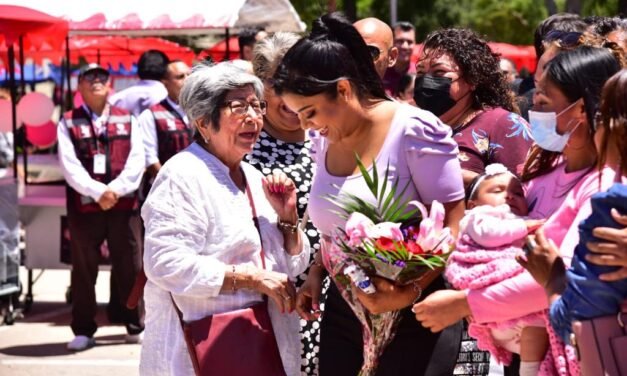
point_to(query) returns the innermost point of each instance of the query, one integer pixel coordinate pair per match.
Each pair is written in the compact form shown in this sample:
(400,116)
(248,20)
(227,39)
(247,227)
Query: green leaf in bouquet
(402,251)
(371,181)
(371,249)
(401,214)
(396,204)
(390,197)
(384,185)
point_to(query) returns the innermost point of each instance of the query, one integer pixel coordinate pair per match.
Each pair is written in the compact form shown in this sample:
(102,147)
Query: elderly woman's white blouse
(198,222)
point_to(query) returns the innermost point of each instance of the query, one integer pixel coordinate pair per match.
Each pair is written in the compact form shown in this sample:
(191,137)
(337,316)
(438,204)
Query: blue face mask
(544,130)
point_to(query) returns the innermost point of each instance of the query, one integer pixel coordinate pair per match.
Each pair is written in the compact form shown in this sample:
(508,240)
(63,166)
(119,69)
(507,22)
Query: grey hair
(203,92)
(269,52)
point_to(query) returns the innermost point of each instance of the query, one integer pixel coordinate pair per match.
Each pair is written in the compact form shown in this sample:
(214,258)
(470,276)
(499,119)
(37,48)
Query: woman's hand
(392,297)
(277,286)
(281,193)
(534,224)
(442,309)
(308,296)
(613,253)
(544,264)
(389,297)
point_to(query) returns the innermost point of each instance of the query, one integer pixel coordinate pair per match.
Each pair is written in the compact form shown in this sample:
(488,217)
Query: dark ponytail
(333,51)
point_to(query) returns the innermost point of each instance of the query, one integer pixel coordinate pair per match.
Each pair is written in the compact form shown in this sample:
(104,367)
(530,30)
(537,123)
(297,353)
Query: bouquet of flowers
(395,238)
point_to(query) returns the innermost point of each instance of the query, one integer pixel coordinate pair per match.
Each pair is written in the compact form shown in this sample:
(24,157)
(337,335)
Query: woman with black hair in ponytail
(330,81)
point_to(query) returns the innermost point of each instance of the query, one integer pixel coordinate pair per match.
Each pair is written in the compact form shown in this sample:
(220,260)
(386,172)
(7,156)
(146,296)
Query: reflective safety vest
(173,135)
(114,143)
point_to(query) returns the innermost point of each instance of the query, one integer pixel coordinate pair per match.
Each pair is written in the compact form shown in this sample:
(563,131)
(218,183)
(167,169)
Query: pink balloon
(5,116)
(35,109)
(42,136)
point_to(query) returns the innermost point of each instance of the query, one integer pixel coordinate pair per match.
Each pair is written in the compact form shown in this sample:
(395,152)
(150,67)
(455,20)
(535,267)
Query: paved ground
(35,345)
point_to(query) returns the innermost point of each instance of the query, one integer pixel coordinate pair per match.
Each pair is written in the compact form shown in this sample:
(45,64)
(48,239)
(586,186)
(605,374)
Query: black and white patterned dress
(294,160)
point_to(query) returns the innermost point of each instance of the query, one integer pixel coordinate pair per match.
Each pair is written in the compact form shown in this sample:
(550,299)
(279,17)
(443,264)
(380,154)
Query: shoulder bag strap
(256,221)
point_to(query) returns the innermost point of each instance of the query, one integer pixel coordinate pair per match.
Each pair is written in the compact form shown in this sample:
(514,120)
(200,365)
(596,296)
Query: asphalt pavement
(35,344)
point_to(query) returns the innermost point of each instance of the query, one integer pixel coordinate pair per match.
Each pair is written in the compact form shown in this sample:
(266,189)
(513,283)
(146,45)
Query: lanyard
(105,117)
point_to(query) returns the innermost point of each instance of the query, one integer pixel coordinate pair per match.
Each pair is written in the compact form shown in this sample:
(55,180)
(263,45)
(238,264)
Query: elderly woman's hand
(277,286)
(612,253)
(281,193)
(308,297)
(544,264)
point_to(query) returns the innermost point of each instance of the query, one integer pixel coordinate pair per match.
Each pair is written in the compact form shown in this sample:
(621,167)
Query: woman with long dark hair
(329,79)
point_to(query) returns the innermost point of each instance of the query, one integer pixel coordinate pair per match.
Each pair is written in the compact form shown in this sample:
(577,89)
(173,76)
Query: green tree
(511,21)
(309,10)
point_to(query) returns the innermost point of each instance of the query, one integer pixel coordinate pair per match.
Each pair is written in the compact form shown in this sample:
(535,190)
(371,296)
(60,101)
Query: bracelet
(286,226)
(233,271)
(417,288)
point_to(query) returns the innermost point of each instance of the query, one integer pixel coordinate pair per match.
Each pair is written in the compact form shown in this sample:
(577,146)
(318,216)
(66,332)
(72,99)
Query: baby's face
(502,189)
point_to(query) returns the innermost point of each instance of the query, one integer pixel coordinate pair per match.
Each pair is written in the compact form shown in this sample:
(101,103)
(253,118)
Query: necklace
(467,119)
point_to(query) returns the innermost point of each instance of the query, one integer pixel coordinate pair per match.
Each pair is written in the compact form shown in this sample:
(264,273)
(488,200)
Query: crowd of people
(214,182)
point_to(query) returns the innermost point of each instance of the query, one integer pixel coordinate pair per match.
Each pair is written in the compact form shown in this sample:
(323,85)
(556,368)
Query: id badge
(100,164)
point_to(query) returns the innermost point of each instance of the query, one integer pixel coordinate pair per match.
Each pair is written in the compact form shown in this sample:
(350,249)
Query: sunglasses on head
(565,38)
(96,75)
(375,52)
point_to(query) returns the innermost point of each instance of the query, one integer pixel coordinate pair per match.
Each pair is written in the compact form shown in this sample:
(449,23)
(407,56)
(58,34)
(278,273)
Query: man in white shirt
(151,69)
(165,127)
(102,159)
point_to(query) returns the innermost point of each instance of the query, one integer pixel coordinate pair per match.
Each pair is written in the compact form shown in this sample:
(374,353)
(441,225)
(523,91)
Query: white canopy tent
(161,17)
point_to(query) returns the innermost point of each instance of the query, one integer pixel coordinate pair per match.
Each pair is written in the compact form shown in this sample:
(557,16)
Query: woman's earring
(204,138)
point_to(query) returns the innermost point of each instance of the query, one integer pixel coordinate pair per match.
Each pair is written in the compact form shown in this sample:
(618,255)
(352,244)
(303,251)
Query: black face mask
(432,94)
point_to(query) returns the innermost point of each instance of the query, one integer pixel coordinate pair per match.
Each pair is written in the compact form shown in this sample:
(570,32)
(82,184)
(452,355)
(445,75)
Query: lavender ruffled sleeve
(431,155)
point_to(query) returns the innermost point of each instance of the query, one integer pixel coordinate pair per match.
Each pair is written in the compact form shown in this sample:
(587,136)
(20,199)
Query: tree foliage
(511,21)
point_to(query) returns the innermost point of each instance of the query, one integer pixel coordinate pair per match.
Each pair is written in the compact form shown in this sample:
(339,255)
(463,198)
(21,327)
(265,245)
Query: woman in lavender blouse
(329,79)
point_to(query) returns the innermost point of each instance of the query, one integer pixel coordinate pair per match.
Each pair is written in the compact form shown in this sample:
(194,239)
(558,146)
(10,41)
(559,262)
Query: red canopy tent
(124,17)
(111,50)
(522,56)
(33,26)
(218,51)
(184,17)
(28,27)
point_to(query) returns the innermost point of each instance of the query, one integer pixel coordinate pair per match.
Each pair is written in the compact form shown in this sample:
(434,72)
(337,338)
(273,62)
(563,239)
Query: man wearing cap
(164,126)
(380,41)
(151,69)
(102,159)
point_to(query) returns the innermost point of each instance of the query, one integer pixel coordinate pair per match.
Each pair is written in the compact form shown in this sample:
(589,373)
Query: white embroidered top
(198,222)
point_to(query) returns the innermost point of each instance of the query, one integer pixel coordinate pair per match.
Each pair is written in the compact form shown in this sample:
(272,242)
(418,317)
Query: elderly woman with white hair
(205,254)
